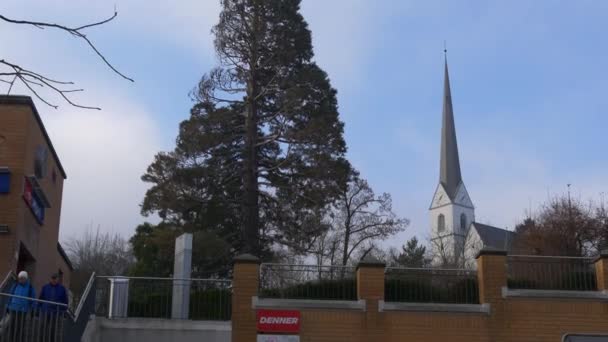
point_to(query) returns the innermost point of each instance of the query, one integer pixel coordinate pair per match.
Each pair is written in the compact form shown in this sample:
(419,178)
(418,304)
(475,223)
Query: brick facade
(21,134)
(510,319)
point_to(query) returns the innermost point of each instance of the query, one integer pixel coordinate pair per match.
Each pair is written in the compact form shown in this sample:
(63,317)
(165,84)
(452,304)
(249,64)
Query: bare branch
(75,32)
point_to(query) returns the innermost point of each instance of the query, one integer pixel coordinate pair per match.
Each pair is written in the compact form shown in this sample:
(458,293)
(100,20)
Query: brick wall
(510,319)
(22,133)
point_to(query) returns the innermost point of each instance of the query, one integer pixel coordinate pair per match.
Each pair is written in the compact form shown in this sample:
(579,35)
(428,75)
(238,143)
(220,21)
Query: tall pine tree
(263,151)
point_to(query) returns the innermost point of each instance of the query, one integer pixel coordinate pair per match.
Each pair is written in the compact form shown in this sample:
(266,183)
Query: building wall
(473,245)
(24,134)
(65,269)
(452,239)
(509,319)
(13,128)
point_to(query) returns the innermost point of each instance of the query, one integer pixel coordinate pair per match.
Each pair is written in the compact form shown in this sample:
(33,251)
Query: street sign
(283,321)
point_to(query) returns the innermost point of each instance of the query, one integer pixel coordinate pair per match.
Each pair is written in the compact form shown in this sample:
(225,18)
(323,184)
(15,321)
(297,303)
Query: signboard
(283,321)
(33,201)
(278,338)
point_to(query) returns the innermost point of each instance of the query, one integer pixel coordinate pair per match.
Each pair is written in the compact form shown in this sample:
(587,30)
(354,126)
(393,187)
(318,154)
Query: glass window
(40,162)
(463,222)
(5,181)
(440,223)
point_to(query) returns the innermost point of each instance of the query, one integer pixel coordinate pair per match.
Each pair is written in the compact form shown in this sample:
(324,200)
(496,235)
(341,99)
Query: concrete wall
(156,330)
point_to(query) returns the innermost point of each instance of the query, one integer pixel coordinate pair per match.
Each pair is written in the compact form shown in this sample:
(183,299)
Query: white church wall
(473,245)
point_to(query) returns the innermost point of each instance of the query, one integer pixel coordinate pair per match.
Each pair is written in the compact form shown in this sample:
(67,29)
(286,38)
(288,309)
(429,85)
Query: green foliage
(566,281)
(341,289)
(412,255)
(463,291)
(154,249)
(263,150)
(211,304)
(205,304)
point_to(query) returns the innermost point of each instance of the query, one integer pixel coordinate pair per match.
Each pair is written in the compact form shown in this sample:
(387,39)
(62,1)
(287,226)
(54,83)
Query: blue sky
(528,84)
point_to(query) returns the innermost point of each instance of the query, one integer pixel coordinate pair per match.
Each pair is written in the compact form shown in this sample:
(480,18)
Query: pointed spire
(450,164)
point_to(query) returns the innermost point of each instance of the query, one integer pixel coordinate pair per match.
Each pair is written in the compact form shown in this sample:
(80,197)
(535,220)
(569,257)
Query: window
(440,223)
(40,162)
(5,180)
(463,222)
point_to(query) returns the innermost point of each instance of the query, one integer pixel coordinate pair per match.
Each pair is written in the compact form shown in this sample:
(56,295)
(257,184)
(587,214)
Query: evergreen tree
(263,152)
(412,255)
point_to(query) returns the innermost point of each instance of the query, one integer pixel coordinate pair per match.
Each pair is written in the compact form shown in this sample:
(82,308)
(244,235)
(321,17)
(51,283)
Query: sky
(528,87)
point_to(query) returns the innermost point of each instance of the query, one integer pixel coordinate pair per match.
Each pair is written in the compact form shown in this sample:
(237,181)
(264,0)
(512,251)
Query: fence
(307,282)
(210,299)
(33,320)
(551,273)
(427,285)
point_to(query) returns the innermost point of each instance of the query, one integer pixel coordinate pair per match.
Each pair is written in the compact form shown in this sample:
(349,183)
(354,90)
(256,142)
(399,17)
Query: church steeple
(451,210)
(449,174)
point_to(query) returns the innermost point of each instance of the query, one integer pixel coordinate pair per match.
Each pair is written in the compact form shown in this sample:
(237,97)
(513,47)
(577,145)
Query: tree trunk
(347,229)
(251,216)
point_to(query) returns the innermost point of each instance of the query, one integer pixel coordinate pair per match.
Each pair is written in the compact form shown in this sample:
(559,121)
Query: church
(455,236)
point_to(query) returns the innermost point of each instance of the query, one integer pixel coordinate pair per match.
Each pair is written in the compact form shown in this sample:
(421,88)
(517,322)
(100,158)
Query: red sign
(287,321)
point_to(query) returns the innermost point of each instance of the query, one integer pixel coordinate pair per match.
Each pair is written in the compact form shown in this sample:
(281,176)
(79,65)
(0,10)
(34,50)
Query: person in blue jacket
(53,292)
(20,306)
(53,313)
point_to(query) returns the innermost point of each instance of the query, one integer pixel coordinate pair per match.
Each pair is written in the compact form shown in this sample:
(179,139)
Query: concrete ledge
(270,303)
(163,324)
(246,259)
(522,293)
(602,255)
(434,307)
(491,251)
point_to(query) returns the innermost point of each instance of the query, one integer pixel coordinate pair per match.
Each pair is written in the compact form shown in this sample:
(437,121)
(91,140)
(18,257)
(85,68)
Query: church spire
(449,165)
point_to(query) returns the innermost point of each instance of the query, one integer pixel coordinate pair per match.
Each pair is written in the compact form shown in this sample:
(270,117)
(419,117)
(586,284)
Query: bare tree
(101,252)
(445,254)
(11,71)
(361,218)
(561,226)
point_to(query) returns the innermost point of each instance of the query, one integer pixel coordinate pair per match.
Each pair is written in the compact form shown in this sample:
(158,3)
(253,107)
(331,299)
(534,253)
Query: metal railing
(147,297)
(5,287)
(32,320)
(7,281)
(428,285)
(85,307)
(307,282)
(551,273)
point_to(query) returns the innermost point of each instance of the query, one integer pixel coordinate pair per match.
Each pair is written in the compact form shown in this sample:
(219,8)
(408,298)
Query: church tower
(451,210)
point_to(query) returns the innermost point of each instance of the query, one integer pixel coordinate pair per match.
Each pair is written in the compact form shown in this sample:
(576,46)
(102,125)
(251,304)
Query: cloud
(104,154)
(343,37)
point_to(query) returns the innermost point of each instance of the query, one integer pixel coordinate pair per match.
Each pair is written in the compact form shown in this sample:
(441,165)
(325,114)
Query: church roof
(494,237)
(449,174)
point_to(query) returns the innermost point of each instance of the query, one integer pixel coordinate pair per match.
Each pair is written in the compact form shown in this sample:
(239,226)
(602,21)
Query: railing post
(601,271)
(245,283)
(370,287)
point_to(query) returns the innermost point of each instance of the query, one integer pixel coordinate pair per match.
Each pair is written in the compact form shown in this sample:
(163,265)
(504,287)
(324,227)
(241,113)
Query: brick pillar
(245,282)
(601,271)
(492,277)
(370,287)
(491,274)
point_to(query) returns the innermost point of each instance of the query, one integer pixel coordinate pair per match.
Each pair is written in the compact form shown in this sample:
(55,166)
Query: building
(31,187)
(455,236)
